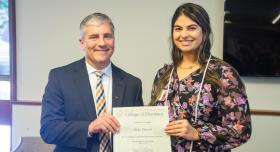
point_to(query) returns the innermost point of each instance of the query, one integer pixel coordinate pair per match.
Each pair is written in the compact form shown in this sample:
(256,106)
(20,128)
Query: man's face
(98,42)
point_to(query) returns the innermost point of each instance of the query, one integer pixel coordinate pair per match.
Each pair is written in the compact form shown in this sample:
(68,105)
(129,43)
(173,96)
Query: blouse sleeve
(233,126)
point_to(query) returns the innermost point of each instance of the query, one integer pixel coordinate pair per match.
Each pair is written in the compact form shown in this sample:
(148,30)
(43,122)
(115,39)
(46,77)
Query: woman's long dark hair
(200,16)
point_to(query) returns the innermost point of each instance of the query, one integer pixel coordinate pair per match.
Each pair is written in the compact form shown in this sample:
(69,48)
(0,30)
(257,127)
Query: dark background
(251,41)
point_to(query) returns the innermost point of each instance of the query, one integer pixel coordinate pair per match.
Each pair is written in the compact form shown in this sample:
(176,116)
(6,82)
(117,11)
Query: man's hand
(104,123)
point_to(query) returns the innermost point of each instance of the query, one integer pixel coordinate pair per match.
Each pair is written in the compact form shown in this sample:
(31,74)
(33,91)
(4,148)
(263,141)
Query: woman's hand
(182,128)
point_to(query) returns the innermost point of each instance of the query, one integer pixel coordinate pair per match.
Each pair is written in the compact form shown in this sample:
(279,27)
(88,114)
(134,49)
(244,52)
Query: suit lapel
(118,87)
(81,79)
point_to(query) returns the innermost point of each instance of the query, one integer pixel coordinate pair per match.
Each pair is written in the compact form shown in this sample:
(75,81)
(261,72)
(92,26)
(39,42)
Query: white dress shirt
(107,80)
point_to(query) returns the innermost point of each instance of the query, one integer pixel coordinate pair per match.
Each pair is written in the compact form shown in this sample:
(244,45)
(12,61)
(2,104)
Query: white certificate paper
(142,129)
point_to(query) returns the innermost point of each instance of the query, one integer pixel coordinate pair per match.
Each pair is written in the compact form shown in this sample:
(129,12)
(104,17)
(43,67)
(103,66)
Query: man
(78,100)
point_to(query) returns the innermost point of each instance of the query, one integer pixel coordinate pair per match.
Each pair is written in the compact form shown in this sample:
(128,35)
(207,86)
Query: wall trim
(265,112)
(27,102)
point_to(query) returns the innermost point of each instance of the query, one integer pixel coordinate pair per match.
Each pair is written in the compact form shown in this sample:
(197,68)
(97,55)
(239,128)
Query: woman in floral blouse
(207,102)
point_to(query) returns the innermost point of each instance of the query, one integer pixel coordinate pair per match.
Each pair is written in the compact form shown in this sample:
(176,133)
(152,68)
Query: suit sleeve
(139,99)
(54,129)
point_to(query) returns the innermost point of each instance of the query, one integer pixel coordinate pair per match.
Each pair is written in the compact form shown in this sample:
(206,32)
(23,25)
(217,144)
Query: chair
(33,144)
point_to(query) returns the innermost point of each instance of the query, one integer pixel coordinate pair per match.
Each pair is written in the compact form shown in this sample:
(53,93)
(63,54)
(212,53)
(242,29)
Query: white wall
(48,32)
(25,122)
(47,37)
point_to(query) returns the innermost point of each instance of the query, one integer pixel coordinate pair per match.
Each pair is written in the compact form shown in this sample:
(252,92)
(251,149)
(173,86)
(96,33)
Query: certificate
(142,129)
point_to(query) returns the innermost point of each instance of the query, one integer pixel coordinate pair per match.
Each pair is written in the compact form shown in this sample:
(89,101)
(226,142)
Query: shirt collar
(107,70)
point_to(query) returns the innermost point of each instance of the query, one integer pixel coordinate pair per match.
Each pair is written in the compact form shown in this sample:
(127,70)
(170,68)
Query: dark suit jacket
(68,106)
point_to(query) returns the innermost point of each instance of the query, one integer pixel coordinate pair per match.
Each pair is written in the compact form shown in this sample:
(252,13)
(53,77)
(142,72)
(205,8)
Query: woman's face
(187,34)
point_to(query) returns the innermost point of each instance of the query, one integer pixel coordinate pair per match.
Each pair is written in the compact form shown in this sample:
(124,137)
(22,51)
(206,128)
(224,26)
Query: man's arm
(139,99)
(54,129)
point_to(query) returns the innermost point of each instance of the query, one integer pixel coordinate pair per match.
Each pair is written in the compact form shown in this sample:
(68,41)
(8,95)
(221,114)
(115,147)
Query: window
(4,51)
(7,71)
(5,138)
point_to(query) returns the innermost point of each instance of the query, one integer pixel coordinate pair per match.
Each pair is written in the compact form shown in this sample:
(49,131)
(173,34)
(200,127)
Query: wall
(47,37)
(48,32)
(25,122)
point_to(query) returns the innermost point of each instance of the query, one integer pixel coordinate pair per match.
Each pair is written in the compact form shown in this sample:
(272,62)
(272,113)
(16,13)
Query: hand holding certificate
(142,129)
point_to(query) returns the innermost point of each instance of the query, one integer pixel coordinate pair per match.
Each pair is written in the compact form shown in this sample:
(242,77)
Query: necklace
(189,67)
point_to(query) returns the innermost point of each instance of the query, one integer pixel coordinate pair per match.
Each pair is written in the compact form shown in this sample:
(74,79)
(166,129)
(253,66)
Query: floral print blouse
(223,117)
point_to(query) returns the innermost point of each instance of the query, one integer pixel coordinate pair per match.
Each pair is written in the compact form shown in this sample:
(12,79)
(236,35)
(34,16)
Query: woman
(207,102)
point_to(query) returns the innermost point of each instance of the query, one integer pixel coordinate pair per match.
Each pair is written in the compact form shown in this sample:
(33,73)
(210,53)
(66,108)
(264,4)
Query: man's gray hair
(96,19)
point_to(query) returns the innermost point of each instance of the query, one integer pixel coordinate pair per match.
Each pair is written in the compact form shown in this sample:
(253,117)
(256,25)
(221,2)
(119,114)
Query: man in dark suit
(69,117)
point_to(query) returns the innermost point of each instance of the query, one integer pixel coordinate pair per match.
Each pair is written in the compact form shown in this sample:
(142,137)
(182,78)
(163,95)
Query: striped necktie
(101,108)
